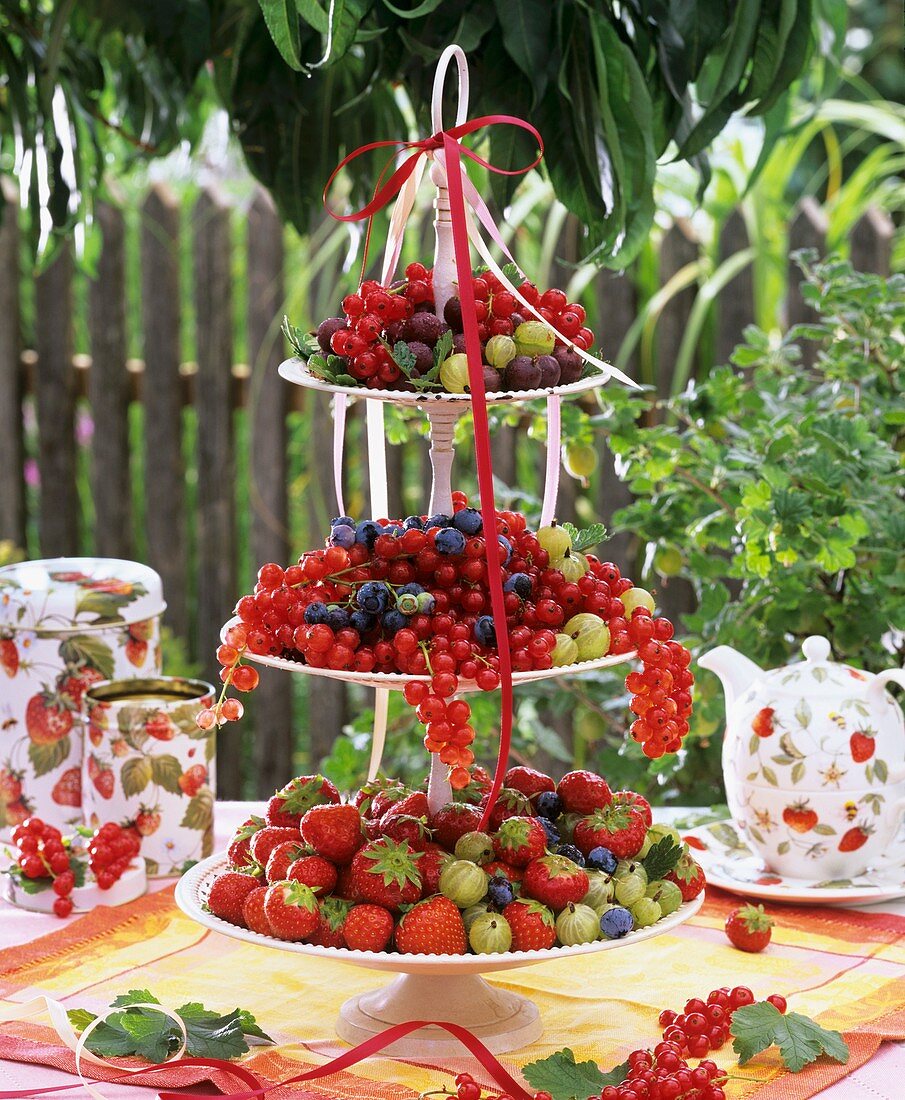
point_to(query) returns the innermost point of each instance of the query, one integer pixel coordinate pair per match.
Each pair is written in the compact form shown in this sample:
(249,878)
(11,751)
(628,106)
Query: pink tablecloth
(879,1079)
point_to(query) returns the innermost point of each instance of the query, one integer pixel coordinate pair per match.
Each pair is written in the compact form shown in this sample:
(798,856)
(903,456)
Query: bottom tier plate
(502,1020)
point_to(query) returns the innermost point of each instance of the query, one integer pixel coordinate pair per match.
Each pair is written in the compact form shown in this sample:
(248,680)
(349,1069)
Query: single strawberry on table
(314,871)
(583,792)
(333,831)
(291,908)
(387,874)
(432,927)
(532,925)
(228,893)
(368,928)
(290,804)
(555,881)
(749,928)
(519,840)
(620,828)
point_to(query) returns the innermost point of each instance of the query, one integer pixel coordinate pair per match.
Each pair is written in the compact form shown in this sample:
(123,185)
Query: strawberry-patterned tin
(65,624)
(150,767)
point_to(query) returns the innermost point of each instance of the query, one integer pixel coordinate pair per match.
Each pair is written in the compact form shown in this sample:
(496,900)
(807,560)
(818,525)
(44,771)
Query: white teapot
(814,762)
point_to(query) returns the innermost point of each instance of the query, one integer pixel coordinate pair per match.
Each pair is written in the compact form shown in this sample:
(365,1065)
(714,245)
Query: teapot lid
(817,666)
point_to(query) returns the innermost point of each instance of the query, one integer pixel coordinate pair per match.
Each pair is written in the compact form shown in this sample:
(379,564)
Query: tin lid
(56,595)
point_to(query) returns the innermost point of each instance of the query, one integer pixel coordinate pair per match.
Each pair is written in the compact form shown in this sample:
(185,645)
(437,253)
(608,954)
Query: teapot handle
(896,858)
(894,675)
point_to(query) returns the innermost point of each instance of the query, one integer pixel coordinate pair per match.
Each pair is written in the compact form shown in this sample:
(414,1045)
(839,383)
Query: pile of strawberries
(382,873)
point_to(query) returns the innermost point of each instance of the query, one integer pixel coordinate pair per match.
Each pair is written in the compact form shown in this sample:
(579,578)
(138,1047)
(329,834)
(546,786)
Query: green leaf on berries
(442,348)
(512,273)
(303,343)
(565,1079)
(584,539)
(800,1040)
(44,758)
(28,885)
(317,365)
(404,358)
(662,858)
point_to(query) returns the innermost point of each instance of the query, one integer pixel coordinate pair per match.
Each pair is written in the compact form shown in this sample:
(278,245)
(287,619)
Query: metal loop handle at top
(448,54)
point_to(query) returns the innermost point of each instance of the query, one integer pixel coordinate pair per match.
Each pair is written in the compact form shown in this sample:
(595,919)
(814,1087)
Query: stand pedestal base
(501,1020)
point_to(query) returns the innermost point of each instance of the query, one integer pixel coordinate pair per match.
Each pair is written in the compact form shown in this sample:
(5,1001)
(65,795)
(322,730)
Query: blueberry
(337,618)
(551,831)
(426,603)
(500,891)
(342,535)
(601,859)
(393,621)
(519,583)
(367,531)
(507,546)
(373,596)
(439,520)
(449,541)
(468,521)
(413,523)
(413,588)
(315,613)
(548,805)
(362,621)
(484,631)
(616,923)
(393,529)
(571,852)
(345,521)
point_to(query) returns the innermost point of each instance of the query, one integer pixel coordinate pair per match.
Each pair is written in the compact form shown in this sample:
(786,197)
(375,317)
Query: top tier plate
(294,370)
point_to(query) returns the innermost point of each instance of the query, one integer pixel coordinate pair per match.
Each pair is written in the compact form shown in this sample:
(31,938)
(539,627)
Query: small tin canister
(150,767)
(65,624)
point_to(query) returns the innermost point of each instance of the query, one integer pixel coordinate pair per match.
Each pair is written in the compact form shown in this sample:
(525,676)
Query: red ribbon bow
(448,141)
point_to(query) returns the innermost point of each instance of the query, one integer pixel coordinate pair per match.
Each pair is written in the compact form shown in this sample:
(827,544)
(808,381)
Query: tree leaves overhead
(611,88)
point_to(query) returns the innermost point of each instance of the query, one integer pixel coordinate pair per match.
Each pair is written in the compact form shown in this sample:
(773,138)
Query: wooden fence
(191,528)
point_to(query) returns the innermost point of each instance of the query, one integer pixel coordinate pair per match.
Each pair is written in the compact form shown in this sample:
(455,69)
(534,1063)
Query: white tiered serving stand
(429,987)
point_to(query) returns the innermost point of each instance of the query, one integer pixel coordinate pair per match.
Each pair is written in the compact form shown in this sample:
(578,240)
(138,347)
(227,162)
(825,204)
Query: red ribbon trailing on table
(447,141)
(348,1058)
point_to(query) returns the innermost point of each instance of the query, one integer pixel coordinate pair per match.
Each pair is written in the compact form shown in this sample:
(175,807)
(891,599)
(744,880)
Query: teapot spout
(736,671)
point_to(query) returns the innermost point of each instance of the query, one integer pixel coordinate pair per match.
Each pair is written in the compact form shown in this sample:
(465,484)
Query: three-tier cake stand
(428,986)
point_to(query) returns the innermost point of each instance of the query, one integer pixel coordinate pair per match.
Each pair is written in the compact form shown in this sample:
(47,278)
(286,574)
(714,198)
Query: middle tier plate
(295,370)
(398,680)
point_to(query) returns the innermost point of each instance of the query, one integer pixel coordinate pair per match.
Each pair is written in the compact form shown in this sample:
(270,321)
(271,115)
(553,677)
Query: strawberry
(855,837)
(315,872)
(413,830)
(432,927)
(632,798)
(239,847)
(67,790)
(147,821)
(119,746)
(48,717)
(477,787)
(102,777)
(228,893)
(583,792)
(192,780)
(688,875)
(383,800)
(368,928)
(290,804)
(498,867)
(555,881)
(528,780)
(344,887)
(763,722)
(9,657)
(160,727)
(532,924)
(386,873)
(253,915)
(453,820)
(291,908)
(265,840)
(97,723)
(281,859)
(693,842)
(142,631)
(77,683)
(136,652)
(511,803)
(800,817)
(430,865)
(749,928)
(333,831)
(620,828)
(519,840)
(16,812)
(10,783)
(365,796)
(331,916)
(413,805)
(862,745)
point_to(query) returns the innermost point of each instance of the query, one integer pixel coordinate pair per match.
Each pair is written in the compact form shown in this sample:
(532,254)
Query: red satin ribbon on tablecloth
(448,141)
(348,1058)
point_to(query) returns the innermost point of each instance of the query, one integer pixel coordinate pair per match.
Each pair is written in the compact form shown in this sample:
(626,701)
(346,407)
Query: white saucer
(131,885)
(729,863)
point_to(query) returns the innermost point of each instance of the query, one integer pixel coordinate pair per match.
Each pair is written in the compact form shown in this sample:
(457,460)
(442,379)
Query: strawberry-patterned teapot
(813,761)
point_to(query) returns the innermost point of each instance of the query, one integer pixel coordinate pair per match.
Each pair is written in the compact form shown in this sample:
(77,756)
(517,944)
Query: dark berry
(520,583)
(500,891)
(326,329)
(424,357)
(468,521)
(572,853)
(601,859)
(570,365)
(549,805)
(550,370)
(522,374)
(449,541)
(452,314)
(485,632)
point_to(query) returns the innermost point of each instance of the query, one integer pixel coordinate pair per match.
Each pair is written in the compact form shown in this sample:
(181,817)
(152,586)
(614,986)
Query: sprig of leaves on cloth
(800,1040)
(155,1036)
(565,1079)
